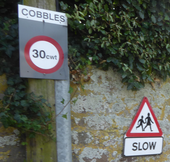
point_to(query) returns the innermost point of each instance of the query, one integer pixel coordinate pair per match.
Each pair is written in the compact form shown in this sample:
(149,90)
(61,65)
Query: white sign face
(145,123)
(37,14)
(44,55)
(143,146)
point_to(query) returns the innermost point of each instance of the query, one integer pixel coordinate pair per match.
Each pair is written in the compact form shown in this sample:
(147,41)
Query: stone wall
(11,149)
(103,111)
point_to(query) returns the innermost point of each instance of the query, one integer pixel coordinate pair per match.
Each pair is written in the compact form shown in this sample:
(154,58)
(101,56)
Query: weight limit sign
(44,54)
(43,43)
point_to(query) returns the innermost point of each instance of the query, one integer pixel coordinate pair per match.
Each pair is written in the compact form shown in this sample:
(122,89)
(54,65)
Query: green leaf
(124,6)
(130,86)
(92,22)
(144,76)
(50,126)
(154,3)
(142,61)
(106,8)
(68,16)
(153,19)
(90,30)
(63,101)
(150,79)
(131,61)
(70,90)
(74,101)
(144,5)
(103,32)
(141,14)
(64,116)
(24,143)
(16,103)
(43,100)
(114,60)
(17,117)
(136,5)
(168,47)
(24,118)
(113,51)
(24,103)
(63,5)
(124,75)
(138,85)
(129,1)
(81,13)
(140,1)
(88,24)
(139,67)
(21,86)
(166,17)
(100,6)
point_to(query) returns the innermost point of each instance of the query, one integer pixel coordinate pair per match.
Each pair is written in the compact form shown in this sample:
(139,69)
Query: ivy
(131,36)
(19,109)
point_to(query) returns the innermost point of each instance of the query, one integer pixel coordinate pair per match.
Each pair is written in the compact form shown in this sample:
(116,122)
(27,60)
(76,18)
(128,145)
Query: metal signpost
(43,43)
(144,137)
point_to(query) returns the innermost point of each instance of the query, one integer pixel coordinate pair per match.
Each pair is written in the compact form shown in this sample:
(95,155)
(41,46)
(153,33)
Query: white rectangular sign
(143,146)
(37,14)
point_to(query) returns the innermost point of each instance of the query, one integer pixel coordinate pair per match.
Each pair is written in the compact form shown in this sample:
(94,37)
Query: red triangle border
(129,134)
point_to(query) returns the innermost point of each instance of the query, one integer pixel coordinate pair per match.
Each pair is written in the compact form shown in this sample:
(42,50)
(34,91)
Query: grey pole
(63,126)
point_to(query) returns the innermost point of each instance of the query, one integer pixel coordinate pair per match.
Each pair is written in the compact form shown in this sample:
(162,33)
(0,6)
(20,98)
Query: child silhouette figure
(140,122)
(148,121)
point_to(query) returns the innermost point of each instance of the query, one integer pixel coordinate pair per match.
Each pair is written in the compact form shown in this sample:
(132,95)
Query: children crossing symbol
(144,136)
(145,123)
(140,121)
(148,122)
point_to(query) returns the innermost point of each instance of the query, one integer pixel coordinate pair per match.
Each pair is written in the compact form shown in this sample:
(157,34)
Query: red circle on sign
(54,43)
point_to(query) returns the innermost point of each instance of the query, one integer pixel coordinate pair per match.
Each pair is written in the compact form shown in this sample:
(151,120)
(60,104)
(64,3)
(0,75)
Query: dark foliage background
(131,36)
(18,109)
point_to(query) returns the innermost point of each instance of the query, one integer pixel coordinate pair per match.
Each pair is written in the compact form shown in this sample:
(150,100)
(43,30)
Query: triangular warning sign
(145,123)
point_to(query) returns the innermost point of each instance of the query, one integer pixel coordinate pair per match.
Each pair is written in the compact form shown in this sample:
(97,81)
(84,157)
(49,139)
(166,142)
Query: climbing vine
(18,109)
(130,36)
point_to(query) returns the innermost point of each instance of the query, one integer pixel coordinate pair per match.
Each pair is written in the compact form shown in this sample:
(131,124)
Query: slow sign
(144,137)
(143,146)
